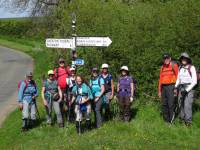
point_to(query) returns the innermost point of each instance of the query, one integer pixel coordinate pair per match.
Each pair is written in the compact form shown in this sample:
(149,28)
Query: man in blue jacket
(26,98)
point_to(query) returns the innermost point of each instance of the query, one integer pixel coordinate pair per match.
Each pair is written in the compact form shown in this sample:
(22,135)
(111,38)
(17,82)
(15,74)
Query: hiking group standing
(71,96)
(177,79)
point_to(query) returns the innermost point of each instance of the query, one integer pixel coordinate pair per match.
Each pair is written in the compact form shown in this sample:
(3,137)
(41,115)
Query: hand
(84,100)
(111,97)
(45,103)
(20,106)
(159,94)
(175,92)
(60,100)
(33,97)
(131,99)
(96,99)
(184,93)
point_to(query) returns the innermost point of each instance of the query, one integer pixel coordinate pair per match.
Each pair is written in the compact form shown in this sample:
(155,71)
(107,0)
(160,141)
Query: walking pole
(69,113)
(37,111)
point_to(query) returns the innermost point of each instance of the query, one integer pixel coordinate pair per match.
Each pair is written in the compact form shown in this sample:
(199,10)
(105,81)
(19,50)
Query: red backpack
(26,85)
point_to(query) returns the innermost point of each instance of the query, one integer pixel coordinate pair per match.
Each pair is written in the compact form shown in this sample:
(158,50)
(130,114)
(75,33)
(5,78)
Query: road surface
(13,66)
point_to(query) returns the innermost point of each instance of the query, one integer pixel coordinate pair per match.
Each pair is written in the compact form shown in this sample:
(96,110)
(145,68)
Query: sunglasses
(61,62)
(51,75)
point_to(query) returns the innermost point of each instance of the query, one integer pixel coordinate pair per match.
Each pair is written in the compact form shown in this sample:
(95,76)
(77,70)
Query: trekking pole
(69,113)
(37,111)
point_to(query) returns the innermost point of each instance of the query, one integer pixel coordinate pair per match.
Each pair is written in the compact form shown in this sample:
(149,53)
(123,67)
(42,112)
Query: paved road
(13,66)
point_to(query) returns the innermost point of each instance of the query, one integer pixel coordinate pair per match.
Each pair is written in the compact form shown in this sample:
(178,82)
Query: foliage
(141,32)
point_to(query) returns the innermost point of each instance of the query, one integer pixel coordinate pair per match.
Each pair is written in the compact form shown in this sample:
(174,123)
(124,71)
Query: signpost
(60,43)
(79,42)
(75,41)
(93,41)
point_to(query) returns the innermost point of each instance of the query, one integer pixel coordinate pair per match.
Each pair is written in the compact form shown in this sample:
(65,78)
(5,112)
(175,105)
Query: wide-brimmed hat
(186,56)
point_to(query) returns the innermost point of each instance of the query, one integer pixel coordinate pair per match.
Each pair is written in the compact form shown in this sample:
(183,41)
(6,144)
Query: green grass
(146,131)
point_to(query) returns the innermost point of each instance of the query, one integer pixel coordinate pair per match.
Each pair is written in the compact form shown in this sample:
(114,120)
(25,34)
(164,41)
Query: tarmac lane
(13,67)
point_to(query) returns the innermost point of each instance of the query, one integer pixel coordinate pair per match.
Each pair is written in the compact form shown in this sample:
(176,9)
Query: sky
(4,13)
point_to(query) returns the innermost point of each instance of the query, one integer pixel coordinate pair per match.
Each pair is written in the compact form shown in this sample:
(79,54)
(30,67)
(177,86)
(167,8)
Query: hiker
(71,82)
(97,85)
(27,101)
(109,89)
(167,80)
(61,73)
(186,81)
(125,93)
(52,97)
(82,97)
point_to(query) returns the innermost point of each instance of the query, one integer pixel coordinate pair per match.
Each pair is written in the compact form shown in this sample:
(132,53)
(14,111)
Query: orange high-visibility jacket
(168,75)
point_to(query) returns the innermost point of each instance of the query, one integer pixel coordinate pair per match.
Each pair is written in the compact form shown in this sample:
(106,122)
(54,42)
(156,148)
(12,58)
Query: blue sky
(4,13)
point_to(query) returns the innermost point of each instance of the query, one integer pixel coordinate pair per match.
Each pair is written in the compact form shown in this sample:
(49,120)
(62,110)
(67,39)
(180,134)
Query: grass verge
(146,130)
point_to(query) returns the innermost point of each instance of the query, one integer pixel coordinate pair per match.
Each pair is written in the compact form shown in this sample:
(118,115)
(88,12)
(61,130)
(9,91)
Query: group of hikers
(72,97)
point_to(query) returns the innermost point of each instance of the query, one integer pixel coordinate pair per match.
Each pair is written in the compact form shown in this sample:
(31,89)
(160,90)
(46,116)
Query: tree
(35,7)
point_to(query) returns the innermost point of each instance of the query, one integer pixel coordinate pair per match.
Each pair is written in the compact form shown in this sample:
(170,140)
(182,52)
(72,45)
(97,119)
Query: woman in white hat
(125,90)
(109,90)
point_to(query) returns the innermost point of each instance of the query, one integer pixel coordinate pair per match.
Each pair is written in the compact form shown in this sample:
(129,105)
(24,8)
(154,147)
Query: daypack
(52,89)
(99,82)
(26,84)
(107,81)
(173,64)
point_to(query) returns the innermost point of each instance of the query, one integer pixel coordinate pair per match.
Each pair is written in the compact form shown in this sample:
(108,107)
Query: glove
(184,93)
(131,99)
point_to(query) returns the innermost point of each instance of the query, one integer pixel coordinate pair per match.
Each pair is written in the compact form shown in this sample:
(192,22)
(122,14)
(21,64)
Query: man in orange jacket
(168,77)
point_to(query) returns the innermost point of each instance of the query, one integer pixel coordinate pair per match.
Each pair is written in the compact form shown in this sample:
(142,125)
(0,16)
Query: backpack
(107,81)
(173,64)
(26,84)
(52,90)
(99,82)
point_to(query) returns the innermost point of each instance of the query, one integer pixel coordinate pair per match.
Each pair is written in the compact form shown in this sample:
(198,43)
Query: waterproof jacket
(168,75)
(27,91)
(61,74)
(82,91)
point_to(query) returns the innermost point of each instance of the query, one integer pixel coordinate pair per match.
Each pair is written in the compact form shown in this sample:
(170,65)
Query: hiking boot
(31,123)
(188,124)
(61,125)
(78,127)
(24,125)
(88,124)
